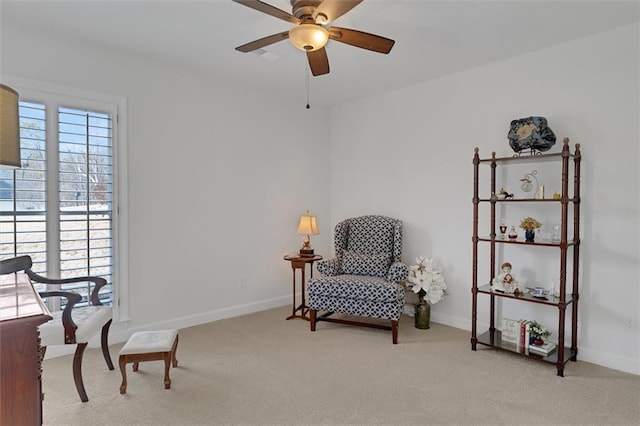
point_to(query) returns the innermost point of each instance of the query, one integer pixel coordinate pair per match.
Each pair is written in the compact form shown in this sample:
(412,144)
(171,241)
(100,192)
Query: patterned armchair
(363,277)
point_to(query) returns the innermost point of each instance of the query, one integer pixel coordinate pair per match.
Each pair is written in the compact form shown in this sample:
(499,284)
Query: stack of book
(545,349)
(515,337)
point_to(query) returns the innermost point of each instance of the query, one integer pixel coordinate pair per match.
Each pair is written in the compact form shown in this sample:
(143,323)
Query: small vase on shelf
(530,235)
(537,341)
(422,315)
(513,234)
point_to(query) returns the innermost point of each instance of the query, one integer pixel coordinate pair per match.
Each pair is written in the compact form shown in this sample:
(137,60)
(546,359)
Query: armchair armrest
(99,282)
(398,271)
(329,267)
(67,322)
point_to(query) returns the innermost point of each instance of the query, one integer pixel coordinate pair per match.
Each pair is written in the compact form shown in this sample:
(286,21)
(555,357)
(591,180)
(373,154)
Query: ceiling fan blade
(318,62)
(262,42)
(361,39)
(333,9)
(269,10)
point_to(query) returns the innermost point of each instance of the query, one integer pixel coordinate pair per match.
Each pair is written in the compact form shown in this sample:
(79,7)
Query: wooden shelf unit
(493,336)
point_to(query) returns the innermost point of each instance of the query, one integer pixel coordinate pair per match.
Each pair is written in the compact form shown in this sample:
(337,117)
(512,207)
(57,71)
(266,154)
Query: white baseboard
(120,332)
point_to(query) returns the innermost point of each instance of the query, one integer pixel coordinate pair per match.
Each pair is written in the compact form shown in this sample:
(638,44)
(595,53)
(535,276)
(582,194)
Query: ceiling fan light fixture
(309,37)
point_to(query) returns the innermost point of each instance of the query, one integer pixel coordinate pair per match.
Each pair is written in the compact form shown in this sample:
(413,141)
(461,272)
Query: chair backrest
(15,264)
(24,263)
(369,235)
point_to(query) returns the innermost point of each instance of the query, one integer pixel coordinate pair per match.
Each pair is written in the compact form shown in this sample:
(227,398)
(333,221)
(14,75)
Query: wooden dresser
(21,312)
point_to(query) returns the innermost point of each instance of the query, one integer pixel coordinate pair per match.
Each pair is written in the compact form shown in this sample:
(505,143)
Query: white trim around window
(43,92)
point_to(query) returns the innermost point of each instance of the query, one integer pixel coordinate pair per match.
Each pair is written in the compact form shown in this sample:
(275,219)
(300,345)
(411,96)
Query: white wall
(408,153)
(217,180)
(222,159)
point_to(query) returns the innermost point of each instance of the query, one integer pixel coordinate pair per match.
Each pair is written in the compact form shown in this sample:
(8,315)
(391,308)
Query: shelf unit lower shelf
(485,340)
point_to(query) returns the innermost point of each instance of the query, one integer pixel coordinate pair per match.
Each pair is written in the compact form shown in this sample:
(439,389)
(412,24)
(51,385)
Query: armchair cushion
(329,267)
(376,265)
(88,319)
(356,288)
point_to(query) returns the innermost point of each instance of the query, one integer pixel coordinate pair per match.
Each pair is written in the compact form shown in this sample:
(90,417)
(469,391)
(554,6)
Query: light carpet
(261,369)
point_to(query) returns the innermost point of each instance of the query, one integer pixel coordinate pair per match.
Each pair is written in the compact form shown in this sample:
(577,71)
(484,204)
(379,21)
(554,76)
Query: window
(61,206)
(23,197)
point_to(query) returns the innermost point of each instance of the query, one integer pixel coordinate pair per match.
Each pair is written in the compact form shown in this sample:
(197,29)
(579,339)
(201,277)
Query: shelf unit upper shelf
(527,158)
(538,242)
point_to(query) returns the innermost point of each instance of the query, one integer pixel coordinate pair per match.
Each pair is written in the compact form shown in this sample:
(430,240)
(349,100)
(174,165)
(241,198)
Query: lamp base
(306,252)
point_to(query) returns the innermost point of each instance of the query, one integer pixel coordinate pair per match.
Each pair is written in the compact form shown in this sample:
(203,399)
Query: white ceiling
(433,38)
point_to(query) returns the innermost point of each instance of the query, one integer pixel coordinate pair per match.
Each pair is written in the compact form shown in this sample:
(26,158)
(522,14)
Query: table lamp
(307,226)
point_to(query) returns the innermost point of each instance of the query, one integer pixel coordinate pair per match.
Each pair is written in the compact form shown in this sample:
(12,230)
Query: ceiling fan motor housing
(301,8)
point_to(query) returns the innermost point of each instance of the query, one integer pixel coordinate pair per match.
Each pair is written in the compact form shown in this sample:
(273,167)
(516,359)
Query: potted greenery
(530,224)
(536,333)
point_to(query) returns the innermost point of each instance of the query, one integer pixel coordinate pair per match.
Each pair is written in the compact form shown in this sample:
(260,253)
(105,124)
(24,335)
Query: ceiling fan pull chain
(307,83)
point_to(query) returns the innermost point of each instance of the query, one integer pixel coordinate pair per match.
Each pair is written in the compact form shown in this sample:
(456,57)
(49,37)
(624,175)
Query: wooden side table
(300,262)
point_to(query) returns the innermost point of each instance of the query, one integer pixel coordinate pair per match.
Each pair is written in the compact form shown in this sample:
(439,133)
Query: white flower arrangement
(426,279)
(538,331)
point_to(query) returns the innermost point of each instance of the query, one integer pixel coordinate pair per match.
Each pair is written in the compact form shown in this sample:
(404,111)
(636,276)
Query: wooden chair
(73,325)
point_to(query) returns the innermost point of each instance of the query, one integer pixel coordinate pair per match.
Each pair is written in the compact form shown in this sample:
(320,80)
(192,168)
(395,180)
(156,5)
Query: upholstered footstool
(149,346)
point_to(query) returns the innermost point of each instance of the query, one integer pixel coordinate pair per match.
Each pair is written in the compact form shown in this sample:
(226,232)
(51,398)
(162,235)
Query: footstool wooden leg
(173,353)
(123,369)
(167,364)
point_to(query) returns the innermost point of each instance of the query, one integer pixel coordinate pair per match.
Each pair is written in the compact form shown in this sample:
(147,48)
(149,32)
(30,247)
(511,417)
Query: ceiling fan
(311,33)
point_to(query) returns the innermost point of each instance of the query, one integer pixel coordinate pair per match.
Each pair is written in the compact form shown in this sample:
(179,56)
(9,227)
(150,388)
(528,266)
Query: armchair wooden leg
(105,345)
(77,371)
(394,331)
(312,319)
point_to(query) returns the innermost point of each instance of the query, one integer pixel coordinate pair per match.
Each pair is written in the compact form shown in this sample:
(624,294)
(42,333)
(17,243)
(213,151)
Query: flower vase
(422,315)
(529,235)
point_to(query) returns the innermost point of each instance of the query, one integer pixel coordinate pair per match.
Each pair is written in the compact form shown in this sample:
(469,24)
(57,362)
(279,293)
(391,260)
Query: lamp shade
(9,128)
(309,37)
(308,224)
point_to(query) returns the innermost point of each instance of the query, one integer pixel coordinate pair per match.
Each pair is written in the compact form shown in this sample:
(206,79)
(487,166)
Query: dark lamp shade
(9,128)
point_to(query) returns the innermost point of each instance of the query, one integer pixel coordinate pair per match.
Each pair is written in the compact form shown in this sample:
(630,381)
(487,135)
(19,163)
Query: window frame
(54,96)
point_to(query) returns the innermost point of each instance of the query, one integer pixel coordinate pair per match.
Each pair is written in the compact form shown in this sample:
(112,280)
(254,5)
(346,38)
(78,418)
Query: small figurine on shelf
(513,234)
(505,282)
(504,195)
(503,228)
